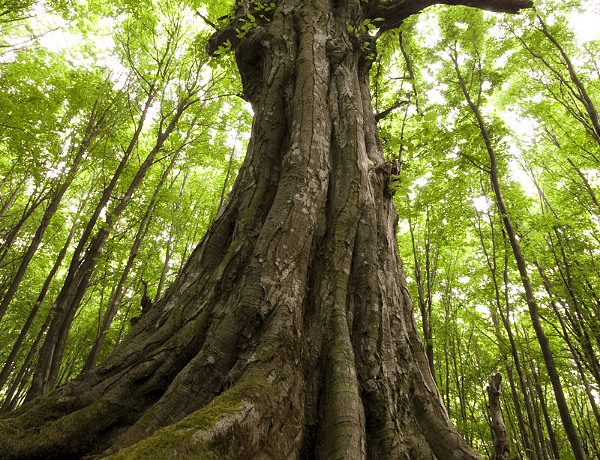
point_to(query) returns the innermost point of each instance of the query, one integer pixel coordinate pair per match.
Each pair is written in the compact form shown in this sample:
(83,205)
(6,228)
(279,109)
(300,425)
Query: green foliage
(47,100)
(460,266)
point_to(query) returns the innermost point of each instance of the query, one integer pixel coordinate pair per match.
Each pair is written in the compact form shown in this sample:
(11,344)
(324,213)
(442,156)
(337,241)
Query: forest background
(120,139)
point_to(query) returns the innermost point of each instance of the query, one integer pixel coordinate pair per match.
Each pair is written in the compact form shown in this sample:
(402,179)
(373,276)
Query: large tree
(290,332)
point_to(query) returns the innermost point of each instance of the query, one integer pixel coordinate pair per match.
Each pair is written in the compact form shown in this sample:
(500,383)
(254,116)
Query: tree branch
(394,12)
(235,29)
(208,21)
(386,112)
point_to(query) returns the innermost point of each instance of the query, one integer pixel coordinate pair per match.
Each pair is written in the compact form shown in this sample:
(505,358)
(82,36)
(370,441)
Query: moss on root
(41,429)
(36,412)
(185,439)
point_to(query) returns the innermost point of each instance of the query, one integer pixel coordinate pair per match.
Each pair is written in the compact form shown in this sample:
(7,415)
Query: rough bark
(290,332)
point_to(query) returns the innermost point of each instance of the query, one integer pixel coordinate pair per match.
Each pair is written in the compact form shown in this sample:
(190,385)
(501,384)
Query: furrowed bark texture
(290,332)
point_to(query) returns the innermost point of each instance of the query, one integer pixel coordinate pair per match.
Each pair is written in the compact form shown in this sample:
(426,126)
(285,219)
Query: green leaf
(430,116)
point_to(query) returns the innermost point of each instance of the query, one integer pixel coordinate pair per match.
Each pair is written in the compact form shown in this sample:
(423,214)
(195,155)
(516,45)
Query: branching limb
(247,17)
(475,162)
(208,21)
(394,12)
(386,112)
(409,68)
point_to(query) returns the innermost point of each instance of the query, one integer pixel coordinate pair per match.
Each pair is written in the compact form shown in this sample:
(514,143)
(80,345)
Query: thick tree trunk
(290,332)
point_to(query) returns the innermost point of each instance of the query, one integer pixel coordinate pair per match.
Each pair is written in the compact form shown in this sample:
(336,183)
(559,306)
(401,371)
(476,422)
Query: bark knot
(250,61)
(386,175)
(336,49)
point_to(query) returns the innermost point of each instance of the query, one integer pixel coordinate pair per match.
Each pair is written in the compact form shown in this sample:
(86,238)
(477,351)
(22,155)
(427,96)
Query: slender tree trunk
(16,390)
(33,313)
(8,200)
(72,292)
(105,321)
(459,379)
(18,384)
(502,300)
(531,302)
(116,297)
(226,181)
(547,419)
(424,291)
(289,333)
(94,128)
(581,92)
(81,268)
(523,434)
(170,244)
(32,204)
(165,265)
(447,319)
(573,309)
(587,186)
(525,389)
(501,448)
(41,378)
(567,339)
(536,412)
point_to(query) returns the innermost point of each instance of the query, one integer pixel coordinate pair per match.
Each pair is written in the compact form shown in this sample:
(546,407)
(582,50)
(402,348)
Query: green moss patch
(66,434)
(178,442)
